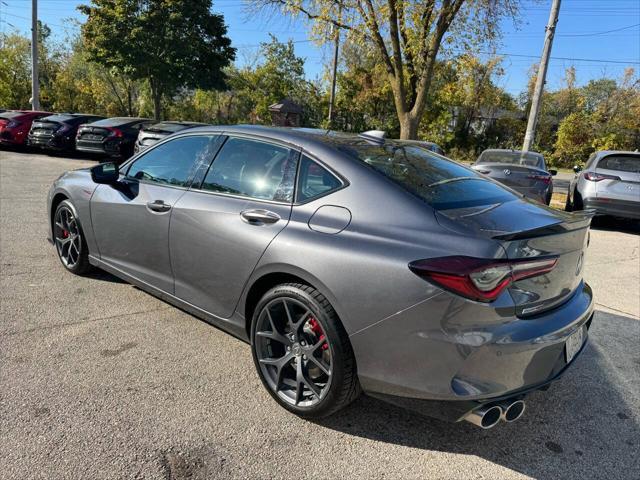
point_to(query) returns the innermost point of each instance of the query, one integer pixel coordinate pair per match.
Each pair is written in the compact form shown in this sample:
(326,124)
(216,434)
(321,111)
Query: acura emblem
(579,265)
(507,171)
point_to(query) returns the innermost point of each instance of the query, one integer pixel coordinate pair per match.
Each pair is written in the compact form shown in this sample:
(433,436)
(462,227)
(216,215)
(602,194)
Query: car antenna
(376,136)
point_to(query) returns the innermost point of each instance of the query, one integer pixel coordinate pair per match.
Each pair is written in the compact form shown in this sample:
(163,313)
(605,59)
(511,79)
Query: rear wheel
(69,239)
(577,201)
(302,353)
(568,207)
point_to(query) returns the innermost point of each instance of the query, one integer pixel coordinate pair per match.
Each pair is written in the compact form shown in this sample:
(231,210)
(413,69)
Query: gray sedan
(609,185)
(525,172)
(349,263)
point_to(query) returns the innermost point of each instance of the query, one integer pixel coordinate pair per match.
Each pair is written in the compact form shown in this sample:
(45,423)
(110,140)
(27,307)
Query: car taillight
(479,279)
(79,132)
(597,177)
(543,178)
(115,132)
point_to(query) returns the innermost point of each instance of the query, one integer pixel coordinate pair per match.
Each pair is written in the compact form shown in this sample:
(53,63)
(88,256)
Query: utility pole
(542,74)
(35,86)
(332,98)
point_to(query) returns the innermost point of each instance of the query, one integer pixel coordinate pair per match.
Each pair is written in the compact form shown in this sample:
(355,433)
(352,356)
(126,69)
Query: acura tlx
(349,263)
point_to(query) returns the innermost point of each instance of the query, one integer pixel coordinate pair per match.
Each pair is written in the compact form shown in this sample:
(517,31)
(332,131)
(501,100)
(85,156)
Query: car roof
(300,136)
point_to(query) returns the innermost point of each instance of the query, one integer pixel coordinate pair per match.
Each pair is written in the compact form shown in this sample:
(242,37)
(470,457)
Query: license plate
(91,137)
(574,342)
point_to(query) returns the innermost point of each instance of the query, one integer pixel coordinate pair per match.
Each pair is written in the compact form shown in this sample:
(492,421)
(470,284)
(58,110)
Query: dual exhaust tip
(488,416)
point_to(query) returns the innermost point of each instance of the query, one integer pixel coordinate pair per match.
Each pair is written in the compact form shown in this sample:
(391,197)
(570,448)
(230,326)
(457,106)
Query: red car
(15,125)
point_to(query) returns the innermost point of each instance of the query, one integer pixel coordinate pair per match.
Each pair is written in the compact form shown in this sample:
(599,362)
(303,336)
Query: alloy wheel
(293,352)
(67,237)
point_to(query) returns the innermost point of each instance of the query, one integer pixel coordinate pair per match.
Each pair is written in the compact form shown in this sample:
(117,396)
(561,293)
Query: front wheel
(69,239)
(302,353)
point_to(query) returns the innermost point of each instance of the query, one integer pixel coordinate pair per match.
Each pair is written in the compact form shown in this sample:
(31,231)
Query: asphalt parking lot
(101,380)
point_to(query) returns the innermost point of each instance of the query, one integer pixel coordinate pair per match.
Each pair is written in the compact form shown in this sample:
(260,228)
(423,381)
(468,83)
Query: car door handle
(259,217)
(158,206)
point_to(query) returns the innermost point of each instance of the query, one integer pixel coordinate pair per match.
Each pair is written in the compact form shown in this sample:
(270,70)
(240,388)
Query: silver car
(155,132)
(609,185)
(525,172)
(349,263)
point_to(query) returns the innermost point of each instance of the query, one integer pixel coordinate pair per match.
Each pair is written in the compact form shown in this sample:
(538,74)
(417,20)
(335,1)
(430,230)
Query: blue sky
(584,32)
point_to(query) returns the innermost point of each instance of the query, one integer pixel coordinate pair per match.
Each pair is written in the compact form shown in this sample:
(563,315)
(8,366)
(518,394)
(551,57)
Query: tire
(303,357)
(577,201)
(69,240)
(568,207)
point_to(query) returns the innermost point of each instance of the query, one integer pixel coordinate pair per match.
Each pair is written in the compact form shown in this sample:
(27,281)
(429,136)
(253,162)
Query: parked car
(114,137)
(349,263)
(15,125)
(525,172)
(151,134)
(609,185)
(58,132)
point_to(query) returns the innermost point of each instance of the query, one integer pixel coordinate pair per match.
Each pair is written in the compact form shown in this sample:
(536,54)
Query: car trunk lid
(618,178)
(45,127)
(93,134)
(518,177)
(528,231)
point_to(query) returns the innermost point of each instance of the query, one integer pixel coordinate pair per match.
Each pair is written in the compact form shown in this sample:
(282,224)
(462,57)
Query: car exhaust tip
(513,411)
(485,417)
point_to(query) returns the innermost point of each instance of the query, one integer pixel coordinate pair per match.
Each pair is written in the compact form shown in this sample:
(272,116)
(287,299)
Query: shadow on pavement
(613,224)
(584,426)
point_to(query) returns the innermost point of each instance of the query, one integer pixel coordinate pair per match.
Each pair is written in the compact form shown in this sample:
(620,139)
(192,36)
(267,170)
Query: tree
(15,71)
(169,43)
(408,36)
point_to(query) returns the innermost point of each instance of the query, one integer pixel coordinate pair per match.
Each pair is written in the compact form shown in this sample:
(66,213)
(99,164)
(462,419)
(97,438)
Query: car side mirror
(577,168)
(107,173)
(553,172)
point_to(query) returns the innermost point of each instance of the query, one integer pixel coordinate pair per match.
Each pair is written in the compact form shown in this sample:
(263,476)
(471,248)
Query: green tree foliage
(15,71)
(171,44)
(407,35)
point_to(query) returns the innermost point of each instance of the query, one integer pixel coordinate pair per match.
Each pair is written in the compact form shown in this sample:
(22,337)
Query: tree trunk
(156,94)
(408,126)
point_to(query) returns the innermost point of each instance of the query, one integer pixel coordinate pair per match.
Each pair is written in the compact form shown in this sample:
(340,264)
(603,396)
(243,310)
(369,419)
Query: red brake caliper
(317,330)
(65,234)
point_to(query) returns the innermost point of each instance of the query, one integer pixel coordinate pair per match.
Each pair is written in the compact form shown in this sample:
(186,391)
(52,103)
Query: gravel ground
(100,380)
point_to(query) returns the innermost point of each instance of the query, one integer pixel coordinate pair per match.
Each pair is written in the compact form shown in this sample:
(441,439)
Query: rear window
(9,115)
(511,157)
(621,163)
(166,127)
(441,183)
(113,122)
(59,118)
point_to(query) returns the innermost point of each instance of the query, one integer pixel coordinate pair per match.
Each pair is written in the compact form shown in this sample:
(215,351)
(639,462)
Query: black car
(114,137)
(58,132)
(156,132)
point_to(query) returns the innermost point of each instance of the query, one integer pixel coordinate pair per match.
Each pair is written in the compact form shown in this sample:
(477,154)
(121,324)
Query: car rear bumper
(51,142)
(8,138)
(110,147)
(448,355)
(616,208)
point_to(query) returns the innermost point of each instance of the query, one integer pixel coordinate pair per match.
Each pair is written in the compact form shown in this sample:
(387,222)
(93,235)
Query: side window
(251,168)
(314,180)
(174,162)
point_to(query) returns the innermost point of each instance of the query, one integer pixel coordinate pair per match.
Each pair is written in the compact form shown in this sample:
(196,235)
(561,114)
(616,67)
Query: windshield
(527,159)
(441,183)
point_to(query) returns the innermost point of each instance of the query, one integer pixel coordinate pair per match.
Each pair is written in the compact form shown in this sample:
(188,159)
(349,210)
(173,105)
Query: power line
(595,60)
(599,33)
